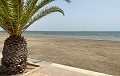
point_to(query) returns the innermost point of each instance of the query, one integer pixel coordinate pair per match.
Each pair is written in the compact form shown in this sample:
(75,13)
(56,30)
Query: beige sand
(100,56)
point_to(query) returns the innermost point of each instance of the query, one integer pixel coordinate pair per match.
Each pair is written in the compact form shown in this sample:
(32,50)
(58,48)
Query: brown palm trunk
(14,59)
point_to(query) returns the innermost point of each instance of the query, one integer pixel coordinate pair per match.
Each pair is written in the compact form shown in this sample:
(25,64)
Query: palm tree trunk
(14,59)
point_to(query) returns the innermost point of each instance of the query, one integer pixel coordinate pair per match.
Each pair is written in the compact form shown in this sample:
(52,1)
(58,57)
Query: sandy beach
(101,56)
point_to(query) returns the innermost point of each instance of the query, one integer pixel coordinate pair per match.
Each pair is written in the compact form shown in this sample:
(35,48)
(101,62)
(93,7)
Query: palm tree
(15,17)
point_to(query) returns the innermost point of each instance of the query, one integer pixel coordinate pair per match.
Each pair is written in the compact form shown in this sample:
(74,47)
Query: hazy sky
(87,15)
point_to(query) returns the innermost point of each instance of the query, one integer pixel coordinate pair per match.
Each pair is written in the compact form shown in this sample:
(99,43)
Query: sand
(96,55)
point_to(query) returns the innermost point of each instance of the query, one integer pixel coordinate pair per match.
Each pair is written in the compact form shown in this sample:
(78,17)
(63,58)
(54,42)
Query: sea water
(95,35)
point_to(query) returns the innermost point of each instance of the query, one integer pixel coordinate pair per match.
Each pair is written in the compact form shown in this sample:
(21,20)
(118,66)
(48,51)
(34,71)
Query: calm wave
(96,35)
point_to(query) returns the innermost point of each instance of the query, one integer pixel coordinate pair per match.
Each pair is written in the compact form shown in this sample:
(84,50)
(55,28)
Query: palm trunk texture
(14,59)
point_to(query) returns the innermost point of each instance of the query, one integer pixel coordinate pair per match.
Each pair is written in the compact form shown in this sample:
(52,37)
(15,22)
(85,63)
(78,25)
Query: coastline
(92,35)
(96,55)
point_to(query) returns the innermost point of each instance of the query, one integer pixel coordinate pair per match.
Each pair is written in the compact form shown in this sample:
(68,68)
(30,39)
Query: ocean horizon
(95,35)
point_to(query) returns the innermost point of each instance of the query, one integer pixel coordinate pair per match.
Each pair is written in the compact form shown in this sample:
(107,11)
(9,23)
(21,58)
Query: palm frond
(41,14)
(27,3)
(5,12)
(12,9)
(39,6)
(20,4)
(32,9)
(19,12)
(68,1)
(5,27)
(17,15)
(29,6)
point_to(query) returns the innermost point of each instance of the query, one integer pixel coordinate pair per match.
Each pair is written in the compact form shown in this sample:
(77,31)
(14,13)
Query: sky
(82,15)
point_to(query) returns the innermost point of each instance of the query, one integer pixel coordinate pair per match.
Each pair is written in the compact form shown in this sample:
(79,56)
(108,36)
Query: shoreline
(93,35)
(96,55)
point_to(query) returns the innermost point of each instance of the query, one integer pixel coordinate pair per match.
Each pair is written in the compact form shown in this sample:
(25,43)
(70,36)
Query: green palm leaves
(68,1)
(17,15)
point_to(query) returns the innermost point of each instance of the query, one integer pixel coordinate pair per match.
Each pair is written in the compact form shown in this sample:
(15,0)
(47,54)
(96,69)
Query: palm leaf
(41,14)
(29,6)
(39,6)
(12,11)
(27,3)
(5,13)
(68,1)
(2,24)
(19,12)
(32,9)
(17,15)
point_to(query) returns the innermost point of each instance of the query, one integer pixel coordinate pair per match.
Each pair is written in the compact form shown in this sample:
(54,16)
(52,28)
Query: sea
(94,35)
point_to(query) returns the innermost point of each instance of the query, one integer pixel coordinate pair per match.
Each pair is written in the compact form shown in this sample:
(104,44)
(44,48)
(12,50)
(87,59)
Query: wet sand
(96,55)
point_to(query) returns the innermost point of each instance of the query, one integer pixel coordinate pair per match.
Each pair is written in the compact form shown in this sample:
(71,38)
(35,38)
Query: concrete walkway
(53,69)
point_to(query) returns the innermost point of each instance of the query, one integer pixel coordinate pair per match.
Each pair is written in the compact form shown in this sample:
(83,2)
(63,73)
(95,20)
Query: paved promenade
(53,69)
